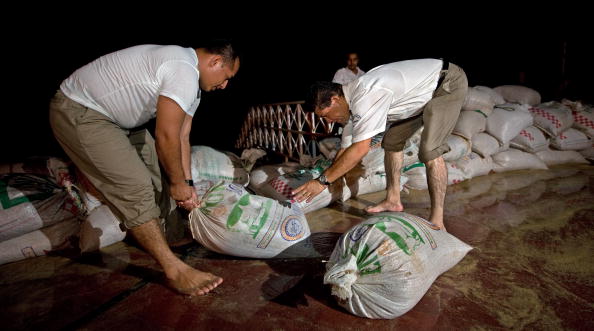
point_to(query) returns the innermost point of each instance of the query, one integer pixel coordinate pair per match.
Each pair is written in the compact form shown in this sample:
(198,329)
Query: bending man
(93,116)
(398,98)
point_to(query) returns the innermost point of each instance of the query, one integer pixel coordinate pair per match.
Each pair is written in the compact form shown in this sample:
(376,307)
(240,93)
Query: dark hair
(319,95)
(347,54)
(223,47)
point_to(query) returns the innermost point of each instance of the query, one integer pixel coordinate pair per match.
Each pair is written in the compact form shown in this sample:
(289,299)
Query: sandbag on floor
(232,221)
(383,266)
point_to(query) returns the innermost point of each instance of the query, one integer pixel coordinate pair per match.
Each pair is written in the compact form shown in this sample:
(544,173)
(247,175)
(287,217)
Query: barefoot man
(399,98)
(95,115)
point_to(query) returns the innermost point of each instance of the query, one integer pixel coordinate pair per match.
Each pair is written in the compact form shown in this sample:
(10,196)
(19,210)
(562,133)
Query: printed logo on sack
(359,232)
(291,229)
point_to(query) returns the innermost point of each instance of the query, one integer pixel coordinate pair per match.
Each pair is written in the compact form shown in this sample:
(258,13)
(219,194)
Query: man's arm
(346,160)
(185,146)
(168,131)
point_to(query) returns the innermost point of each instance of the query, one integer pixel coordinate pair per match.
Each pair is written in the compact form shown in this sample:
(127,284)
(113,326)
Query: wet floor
(531,268)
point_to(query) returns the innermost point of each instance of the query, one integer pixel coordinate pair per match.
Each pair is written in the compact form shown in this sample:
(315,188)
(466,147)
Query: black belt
(444,71)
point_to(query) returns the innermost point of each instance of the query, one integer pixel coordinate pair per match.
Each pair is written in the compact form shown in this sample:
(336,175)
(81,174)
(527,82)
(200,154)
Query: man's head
(327,100)
(352,61)
(217,62)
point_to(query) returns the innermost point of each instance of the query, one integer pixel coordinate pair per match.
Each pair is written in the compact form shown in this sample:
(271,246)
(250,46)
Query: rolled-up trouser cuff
(143,218)
(426,156)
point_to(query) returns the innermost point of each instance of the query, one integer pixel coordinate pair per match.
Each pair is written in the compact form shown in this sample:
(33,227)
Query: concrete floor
(531,268)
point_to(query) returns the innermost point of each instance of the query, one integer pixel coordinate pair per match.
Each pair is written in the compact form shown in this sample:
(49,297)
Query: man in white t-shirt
(350,72)
(95,113)
(398,98)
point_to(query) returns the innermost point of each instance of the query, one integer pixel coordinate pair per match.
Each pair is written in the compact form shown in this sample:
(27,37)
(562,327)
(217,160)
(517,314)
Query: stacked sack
(278,181)
(39,208)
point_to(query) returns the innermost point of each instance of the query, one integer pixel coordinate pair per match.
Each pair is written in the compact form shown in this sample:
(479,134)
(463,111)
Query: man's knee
(427,154)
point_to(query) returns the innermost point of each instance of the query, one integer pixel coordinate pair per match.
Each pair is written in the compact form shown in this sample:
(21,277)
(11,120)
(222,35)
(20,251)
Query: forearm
(347,159)
(169,150)
(186,158)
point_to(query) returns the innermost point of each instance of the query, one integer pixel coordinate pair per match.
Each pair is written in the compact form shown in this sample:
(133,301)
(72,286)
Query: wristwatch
(189,182)
(323,180)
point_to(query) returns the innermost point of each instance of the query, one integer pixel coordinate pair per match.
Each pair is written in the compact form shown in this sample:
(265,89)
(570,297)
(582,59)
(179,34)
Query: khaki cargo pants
(439,118)
(121,164)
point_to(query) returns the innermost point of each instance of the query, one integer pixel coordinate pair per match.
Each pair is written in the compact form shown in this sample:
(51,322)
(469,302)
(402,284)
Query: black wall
(280,60)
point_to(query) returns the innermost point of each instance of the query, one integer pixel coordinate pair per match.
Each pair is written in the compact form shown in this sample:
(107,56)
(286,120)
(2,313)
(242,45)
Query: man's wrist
(323,180)
(189,182)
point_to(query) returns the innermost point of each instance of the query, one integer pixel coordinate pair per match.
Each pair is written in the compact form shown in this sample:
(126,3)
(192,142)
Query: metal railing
(284,128)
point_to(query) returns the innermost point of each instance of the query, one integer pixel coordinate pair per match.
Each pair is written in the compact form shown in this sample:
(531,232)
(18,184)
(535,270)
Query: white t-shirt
(386,94)
(126,84)
(345,75)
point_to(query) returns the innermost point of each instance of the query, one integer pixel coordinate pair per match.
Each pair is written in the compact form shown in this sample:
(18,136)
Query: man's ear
(334,99)
(215,60)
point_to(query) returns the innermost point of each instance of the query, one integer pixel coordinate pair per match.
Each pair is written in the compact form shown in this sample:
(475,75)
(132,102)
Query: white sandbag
(39,242)
(459,147)
(100,229)
(515,159)
(507,121)
(231,221)
(249,157)
(588,153)
(470,122)
(383,266)
(474,165)
(416,175)
(455,174)
(495,96)
(30,202)
(373,161)
(358,185)
(518,94)
(261,175)
(477,99)
(530,140)
(329,147)
(571,139)
(583,120)
(552,119)
(281,188)
(486,145)
(553,157)
(210,164)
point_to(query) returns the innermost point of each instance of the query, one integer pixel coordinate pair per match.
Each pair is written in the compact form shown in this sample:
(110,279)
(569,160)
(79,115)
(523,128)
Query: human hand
(308,191)
(184,196)
(191,203)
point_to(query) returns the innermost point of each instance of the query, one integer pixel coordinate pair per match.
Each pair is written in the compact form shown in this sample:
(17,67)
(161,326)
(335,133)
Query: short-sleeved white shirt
(386,94)
(125,85)
(345,75)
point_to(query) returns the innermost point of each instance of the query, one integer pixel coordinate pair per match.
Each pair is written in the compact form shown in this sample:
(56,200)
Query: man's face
(353,61)
(217,76)
(338,111)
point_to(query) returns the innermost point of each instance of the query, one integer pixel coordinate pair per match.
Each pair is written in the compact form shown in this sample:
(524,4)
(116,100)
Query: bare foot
(193,282)
(384,206)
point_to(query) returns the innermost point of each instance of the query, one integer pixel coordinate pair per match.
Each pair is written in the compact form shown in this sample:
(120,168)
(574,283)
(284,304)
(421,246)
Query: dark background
(282,55)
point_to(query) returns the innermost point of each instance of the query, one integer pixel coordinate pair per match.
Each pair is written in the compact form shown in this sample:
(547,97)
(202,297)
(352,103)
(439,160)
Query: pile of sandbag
(39,208)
